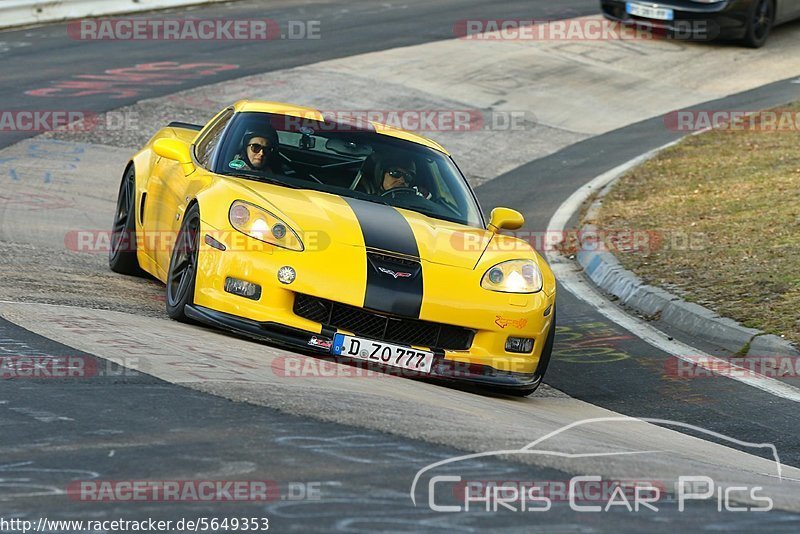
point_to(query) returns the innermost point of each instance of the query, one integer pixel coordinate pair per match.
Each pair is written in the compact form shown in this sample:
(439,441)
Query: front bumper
(333,273)
(443,368)
(693,20)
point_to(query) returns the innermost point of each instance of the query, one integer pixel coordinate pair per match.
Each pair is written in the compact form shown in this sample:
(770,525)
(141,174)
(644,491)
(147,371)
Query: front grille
(392,329)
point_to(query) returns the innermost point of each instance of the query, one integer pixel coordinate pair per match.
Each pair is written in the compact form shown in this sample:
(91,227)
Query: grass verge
(725,209)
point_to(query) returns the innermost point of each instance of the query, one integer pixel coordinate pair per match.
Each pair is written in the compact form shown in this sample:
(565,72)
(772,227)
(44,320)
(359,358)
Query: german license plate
(649,12)
(383,353)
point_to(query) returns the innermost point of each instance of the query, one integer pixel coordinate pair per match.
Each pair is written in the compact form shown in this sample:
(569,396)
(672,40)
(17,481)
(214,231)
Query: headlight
(514,276)
(260,224)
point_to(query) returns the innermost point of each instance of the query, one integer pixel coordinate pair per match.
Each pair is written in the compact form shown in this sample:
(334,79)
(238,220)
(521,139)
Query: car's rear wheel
(182,272)
(544,360)
(122,254)
(760,20)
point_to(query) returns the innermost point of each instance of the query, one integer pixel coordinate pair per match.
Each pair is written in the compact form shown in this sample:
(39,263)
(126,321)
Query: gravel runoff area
(716,220)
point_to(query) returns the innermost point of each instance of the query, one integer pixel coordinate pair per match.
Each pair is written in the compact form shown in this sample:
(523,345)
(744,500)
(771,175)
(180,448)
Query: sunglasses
(408,176)
(255,147)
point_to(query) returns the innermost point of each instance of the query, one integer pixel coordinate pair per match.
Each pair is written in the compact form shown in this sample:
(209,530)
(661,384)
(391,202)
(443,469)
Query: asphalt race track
(174,402)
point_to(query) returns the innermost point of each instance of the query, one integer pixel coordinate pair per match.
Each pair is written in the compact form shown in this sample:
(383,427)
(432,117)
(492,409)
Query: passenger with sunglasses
(256,152)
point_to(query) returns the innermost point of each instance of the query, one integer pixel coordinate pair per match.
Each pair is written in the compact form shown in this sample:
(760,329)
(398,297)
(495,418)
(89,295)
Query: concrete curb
(609,275)
(15,13)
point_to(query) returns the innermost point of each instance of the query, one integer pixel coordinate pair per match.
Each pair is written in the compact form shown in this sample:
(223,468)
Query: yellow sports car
(345,238)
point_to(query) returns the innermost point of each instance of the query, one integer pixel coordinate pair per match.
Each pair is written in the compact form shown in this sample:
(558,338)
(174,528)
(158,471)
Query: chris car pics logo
(452,490)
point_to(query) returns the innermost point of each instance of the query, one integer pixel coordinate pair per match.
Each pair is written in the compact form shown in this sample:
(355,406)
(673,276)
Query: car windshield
(346,160)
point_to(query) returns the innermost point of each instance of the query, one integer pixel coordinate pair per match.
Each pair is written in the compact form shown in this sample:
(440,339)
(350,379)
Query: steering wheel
(401,190)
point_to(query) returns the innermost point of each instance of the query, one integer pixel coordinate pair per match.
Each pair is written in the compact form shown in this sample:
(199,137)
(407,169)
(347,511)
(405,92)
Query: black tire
(760,20)
(544,361)
(122,254)
(182,272)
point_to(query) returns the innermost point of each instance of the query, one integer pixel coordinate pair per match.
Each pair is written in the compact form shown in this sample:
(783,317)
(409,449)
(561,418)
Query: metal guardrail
(26,12)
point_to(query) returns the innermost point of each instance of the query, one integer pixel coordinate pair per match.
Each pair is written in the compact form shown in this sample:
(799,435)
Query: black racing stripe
(384,228)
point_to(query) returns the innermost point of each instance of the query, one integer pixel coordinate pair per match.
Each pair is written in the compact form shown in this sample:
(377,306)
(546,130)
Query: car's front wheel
(122,254)
(760,20)
(182,272)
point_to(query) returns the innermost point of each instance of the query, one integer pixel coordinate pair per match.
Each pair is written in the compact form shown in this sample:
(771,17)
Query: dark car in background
(749,21)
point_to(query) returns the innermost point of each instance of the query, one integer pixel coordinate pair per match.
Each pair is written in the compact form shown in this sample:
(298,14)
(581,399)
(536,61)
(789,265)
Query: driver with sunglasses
(400,173)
